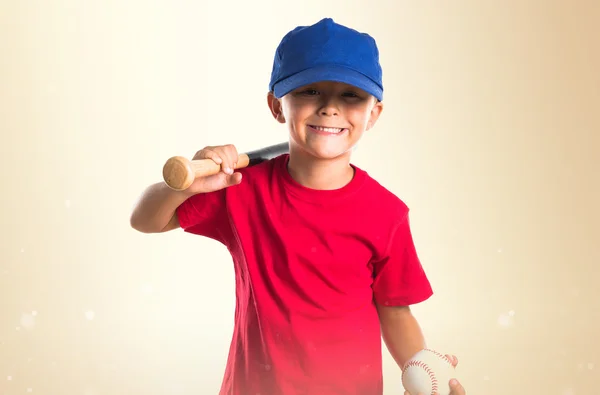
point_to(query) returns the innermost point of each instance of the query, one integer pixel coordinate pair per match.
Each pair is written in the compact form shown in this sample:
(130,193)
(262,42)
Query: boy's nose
(330,111)
(329,108)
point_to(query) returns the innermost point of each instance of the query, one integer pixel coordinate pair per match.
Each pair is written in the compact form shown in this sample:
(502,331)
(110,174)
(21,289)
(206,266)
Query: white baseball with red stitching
(428,372)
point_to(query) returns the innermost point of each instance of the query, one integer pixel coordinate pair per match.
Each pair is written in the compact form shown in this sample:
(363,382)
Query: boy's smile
(326,130)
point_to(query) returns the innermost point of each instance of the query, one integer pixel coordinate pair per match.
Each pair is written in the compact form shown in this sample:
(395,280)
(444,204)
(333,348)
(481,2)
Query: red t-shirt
(309,265)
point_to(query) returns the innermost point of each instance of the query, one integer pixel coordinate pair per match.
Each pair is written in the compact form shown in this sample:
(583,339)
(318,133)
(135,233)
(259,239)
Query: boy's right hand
(224,155)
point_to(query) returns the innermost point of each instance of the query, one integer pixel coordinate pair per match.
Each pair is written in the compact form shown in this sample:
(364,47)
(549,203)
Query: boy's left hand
(455,387)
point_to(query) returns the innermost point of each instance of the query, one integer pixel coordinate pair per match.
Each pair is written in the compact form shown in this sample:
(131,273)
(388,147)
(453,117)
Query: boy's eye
(310,92)
(313,92)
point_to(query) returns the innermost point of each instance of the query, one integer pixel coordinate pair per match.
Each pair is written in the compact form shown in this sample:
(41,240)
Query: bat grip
(257,156)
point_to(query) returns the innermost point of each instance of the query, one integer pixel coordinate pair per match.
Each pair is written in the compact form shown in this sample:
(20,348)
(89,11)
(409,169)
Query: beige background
(490,135)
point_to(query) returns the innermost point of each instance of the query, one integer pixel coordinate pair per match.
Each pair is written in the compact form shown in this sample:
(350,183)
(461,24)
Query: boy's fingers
(219,157)
(227,161)
(225,156)
(456,388)
(220,181)
(232,156)
(234,179)
(210,154)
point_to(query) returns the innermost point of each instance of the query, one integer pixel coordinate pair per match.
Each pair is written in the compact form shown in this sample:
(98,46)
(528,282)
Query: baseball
(428,372)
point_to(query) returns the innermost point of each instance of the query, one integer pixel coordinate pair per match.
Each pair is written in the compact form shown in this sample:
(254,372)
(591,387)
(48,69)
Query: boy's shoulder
(382,198)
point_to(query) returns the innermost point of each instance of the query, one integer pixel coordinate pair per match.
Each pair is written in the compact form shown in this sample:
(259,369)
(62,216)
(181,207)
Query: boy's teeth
(328,130)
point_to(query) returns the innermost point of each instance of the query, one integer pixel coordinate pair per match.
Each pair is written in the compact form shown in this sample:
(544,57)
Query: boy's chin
(328,152)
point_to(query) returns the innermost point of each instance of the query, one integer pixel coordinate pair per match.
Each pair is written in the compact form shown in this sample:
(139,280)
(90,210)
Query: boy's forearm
(156,207)
(401,332)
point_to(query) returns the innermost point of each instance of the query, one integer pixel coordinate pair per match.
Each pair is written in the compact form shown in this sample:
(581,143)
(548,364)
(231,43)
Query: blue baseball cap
(326,51)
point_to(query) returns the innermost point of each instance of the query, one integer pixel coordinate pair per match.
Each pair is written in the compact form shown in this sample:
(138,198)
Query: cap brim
(328,73)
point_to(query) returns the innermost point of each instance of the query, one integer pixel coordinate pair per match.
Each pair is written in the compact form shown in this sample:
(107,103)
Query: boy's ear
(275,107)
(375,113)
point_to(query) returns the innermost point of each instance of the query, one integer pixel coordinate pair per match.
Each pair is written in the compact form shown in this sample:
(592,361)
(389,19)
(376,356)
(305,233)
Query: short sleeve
(205,214)
(399,277)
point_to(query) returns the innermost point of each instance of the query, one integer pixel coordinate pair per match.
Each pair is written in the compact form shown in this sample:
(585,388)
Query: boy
(324,259)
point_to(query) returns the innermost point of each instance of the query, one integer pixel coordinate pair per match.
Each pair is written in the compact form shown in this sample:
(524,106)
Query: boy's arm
(400,282)
(401,332)
(155,211)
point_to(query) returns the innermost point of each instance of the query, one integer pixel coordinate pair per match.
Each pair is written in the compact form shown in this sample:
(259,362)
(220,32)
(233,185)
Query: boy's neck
(320,174)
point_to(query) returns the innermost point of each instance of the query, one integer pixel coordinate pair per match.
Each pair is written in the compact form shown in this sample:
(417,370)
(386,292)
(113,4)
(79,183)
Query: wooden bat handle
(179,172)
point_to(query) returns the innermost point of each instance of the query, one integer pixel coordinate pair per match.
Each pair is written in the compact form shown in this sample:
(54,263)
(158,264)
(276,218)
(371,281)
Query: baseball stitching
(444,357)
(425,367)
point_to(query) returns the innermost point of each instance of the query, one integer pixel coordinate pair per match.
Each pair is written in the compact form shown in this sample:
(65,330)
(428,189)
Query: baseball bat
(179,172)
